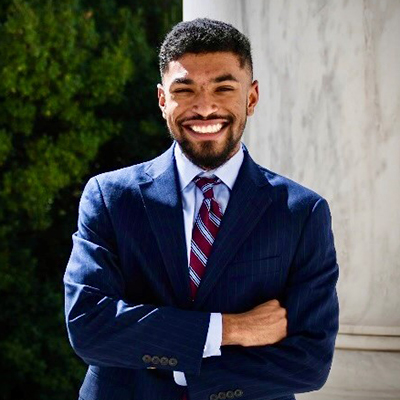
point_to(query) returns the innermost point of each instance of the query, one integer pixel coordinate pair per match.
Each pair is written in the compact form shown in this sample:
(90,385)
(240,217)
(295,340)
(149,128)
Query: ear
(252,98)
(161,98)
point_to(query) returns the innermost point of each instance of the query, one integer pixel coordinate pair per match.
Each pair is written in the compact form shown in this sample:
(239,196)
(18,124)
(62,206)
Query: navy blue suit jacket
(128,308)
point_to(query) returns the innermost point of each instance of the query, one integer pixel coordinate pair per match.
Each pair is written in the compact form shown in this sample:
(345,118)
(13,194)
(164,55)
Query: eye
(182,91)
(225,89)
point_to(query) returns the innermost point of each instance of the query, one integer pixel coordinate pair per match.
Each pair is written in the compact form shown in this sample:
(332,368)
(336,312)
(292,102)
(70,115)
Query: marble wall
(329,117)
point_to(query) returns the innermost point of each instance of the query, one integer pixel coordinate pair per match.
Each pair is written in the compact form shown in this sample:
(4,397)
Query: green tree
(77,97)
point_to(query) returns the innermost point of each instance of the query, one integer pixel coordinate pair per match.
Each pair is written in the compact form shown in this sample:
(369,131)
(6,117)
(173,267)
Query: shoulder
(114,183)
(129,178)
(293,194)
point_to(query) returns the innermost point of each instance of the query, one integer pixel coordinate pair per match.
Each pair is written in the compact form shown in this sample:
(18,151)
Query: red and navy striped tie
(204,233)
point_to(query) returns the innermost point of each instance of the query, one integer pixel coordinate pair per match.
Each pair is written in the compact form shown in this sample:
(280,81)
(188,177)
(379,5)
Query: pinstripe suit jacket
(128,308)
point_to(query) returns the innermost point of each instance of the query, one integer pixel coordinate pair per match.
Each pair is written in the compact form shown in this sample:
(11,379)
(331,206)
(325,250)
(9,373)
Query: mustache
(228,118)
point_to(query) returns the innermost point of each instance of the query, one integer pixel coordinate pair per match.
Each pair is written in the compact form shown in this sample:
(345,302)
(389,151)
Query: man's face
(205,100)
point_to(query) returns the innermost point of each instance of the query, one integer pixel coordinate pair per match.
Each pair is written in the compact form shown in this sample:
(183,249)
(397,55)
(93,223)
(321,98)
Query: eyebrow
(184,81)
(218,79)
(226,77)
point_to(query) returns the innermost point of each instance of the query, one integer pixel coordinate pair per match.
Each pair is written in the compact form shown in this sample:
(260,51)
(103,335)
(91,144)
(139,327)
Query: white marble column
(329,118)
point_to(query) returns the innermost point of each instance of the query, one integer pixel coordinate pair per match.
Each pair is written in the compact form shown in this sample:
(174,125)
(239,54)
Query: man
(200,274)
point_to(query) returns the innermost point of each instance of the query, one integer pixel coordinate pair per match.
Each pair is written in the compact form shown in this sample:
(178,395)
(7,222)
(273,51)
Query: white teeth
(207,129)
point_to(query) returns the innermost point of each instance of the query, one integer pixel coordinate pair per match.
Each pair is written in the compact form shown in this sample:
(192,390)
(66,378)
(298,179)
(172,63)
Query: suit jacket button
(222,395)
(238,393)
(213,397)
(146,358)
(155,360)
(164,361)
(230,394)
(172,362)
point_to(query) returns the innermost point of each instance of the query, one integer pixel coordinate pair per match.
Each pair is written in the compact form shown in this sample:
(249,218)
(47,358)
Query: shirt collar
(227,172)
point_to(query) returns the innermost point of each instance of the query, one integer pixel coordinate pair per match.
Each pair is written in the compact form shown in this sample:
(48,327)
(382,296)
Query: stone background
(329,118)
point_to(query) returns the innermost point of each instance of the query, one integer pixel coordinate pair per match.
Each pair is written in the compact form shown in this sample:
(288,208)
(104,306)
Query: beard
(205,154)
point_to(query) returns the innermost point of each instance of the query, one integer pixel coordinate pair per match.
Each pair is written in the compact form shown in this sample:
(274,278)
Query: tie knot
(206,185)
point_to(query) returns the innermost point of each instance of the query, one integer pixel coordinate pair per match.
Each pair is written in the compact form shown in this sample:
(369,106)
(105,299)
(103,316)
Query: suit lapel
(248,201)
(162,200)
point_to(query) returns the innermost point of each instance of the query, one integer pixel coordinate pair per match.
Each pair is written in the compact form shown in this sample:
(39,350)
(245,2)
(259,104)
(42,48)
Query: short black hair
(203,35)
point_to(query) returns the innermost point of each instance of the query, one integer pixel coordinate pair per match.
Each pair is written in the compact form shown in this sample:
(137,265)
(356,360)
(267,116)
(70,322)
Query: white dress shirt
(192,198)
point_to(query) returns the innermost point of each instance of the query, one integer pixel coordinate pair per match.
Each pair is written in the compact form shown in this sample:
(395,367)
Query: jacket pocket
(242,260)
(112,383)
(96,387)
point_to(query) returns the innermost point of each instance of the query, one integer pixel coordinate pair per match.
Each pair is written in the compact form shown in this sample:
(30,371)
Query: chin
(208,154)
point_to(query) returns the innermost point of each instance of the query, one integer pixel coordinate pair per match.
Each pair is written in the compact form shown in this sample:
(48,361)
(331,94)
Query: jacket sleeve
(106,330)
(301,362)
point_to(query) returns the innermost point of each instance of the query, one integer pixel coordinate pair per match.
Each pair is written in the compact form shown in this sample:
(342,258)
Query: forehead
(205,67)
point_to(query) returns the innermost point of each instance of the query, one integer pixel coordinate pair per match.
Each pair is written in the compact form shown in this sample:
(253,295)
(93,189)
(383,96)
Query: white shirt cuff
(212,346)
(214,336)
(179,378)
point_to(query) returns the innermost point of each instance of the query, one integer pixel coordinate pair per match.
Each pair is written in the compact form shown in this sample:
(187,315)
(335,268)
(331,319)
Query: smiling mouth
(206,129)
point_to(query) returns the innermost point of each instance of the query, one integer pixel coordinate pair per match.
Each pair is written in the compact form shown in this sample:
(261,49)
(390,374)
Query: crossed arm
(270,351)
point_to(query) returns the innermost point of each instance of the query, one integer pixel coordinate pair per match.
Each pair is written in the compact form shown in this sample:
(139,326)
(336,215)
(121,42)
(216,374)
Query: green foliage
(77,97)
(51,82)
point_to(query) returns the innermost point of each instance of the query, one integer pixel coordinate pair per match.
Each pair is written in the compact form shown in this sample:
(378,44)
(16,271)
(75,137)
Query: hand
(263,325)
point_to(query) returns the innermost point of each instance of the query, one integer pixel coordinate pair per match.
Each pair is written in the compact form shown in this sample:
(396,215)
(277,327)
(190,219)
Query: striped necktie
(204,231)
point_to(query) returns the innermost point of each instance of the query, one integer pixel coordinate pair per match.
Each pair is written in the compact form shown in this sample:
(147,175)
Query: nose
(204,104)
